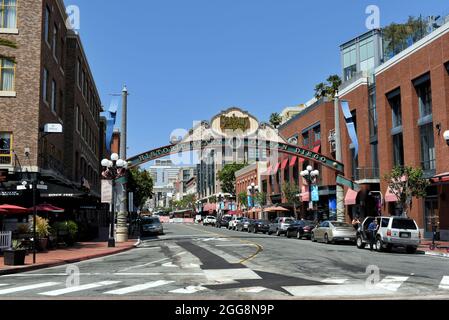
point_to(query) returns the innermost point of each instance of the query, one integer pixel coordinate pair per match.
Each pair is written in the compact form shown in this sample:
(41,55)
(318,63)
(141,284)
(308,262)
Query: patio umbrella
(46,207)
(11,209)
(276,209)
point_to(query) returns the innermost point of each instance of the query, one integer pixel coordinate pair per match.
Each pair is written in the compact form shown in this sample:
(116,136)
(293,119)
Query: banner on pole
(106,191)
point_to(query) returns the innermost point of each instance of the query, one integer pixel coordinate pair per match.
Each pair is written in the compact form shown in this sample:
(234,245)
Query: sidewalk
(80,252)
(439,252)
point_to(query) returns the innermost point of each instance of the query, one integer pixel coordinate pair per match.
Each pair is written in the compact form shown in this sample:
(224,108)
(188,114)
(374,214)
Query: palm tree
(334,82)
(275,120)
(320,90)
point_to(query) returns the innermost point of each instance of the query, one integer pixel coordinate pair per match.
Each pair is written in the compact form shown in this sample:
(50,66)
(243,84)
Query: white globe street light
(114,157)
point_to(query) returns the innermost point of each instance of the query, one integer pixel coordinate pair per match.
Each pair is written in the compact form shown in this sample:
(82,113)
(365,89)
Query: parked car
(333,231)
(393,232)
(223,222)
(233,223)
(243,224)
(209,221)
(256,226)
(280,225)
(151,225)
(300,229)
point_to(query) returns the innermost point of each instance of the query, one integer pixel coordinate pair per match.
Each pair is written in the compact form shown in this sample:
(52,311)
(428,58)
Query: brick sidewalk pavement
(80,252)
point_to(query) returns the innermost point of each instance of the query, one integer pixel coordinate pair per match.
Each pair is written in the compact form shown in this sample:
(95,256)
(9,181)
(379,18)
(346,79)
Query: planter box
(14,257)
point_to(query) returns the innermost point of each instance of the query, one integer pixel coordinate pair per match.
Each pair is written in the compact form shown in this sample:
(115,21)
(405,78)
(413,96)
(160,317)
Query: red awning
(11,209)
(390,196)
(276,169)
(284,164)
(351,197)
(317,149)
(268,171)
(293,161)
(208,207)
(45,207)
(441,178)
(301,160)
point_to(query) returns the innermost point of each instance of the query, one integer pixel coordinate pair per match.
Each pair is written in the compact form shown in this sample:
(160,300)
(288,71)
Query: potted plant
(15,256)
(72,229)
(43,231)
(23,230)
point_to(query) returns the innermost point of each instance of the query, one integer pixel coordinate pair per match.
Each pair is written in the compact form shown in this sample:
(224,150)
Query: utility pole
(338,157)
(122,216)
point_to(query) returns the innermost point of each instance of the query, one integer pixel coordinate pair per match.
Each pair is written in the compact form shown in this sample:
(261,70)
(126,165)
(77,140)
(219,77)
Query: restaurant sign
(234,123)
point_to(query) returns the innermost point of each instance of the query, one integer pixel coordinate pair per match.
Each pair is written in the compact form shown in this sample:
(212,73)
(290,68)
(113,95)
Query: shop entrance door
(431,215)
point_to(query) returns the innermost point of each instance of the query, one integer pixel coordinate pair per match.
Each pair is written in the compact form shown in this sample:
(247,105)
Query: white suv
(393,232)
(233,222)
(209,220)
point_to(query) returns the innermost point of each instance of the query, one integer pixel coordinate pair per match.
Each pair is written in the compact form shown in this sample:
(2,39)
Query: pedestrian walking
(372,230)
(356,223)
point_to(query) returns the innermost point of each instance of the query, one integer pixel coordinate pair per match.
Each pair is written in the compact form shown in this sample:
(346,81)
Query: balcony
(367,175)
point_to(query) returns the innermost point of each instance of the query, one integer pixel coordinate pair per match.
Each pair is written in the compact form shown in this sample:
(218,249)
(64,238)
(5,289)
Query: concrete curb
(62,262)
(436,254)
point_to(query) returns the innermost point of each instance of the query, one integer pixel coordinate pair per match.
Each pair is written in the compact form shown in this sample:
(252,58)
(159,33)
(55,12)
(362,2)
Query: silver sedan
(333,231)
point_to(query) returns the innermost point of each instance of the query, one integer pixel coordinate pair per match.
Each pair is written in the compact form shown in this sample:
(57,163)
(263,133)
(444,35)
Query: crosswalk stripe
(335,280)
(444,284)
(190,289)
(343,290)
(231,274)
(3,284)
(28,287)
(252,290)
(139,287)
(78,288)
(391,283)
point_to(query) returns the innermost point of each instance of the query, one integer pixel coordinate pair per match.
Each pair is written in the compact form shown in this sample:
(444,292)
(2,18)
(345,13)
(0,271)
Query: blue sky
(186,60)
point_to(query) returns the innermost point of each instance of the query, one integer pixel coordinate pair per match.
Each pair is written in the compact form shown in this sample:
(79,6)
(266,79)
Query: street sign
(42,187)
(21,187)
(106,191)
(348,183)
(53,128)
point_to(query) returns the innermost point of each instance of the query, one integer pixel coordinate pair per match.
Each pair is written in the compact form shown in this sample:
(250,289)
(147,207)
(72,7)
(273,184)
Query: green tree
(261,199)
(396,35)
(243,199)
(275,120)
(291,192)
(328,89)
(407,183)
(227,177)
(141,183)
(188,202)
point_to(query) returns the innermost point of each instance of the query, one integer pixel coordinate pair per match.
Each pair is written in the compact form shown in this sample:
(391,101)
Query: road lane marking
(78,288)
(3,284)
(153,262)
(28,287)
(160,274)
(444,284)
(236,245)
(189,290)
(391,283)
(251,290)
(335,280)
(231,274)
(139,287)
(355,290)
(170,265)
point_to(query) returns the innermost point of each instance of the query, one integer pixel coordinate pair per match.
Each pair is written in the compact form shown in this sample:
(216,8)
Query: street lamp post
(311,177)
(114,168)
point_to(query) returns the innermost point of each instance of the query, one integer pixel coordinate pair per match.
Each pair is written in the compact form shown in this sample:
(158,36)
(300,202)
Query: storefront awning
(301,160)
(276,169)
(390,196)
(317,149)
(284,164)
(442,178)
(208,207)
(351,197)
(293,161)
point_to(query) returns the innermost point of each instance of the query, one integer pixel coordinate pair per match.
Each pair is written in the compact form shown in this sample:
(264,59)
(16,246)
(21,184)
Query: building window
(372,113)
(375,157)
(53,96)
(317,134)
(7,75)
(427,147)
(398,150)
(5,148)
(77,118)
(78,74)
(305,139)
(47,25)
(349,62)
(45,85)
(396,111)
(367,55)
(54,42)
(354,164)
(8,13)
(424,92)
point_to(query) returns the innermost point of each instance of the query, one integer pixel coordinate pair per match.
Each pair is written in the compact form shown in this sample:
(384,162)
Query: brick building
(45,78)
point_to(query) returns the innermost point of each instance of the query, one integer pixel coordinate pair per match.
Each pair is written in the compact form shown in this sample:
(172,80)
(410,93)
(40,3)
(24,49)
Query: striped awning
(284,164)
(293,161)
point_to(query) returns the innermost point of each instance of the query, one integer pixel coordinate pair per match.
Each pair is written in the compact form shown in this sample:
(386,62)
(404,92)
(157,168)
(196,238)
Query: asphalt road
(197,262)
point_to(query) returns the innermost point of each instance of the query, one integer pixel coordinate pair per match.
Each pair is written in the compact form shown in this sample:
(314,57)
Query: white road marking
(78,288)
(252,290)
(150,263)
(139,287)
(190,265)
(336,291)
(170,265)
(236,245)
(3,284)
(231,274)
(335,280)
(28,287)
(444,284)
(391,283)
(188,290)
(160,274)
